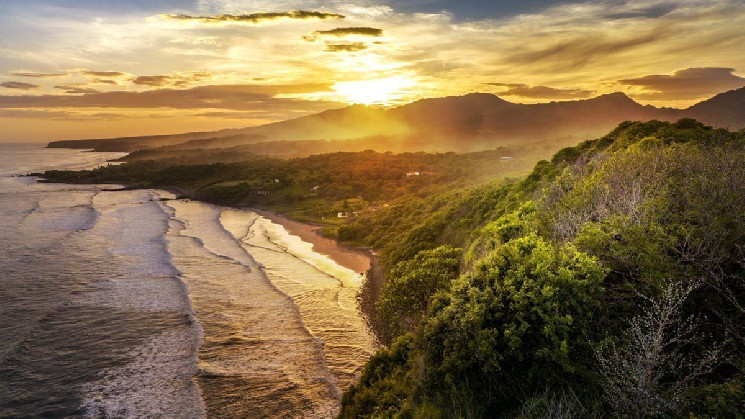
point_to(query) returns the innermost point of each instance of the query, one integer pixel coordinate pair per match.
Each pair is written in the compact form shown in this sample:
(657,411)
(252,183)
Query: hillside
(607,282)
(472,122)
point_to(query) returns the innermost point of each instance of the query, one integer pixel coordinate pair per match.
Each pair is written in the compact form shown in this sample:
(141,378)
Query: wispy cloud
(59,115)
(232,97)
(689,83)
(152,80)
(110,74)
(19,85)
(348,47)
(256,18)
(76,88)
(38,75)
(541,92)
(342,32)
(177,80)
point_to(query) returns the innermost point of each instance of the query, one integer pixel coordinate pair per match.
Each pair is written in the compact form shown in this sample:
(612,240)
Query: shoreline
(363,260)
(356,259)
(360,260)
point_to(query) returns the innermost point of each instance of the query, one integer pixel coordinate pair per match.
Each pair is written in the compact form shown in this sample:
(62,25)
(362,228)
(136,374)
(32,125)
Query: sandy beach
(356,260)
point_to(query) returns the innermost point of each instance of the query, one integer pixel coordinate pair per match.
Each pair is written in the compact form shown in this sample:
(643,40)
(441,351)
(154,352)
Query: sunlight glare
(370,92)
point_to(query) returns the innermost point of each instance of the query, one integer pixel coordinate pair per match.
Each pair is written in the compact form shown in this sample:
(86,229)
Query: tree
(515,323)
(648,374)
(413,283)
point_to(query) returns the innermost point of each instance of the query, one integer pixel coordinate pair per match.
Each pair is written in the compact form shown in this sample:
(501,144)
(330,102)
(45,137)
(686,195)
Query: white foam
(159,383)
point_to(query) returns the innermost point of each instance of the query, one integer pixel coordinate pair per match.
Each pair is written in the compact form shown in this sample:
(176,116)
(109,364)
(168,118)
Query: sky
(98,68)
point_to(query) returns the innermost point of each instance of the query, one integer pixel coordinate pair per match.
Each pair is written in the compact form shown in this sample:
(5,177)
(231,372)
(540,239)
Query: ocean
(133,303)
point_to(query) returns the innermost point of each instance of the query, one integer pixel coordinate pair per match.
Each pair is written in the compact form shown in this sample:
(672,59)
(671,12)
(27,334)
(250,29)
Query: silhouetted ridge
(726,110)
(475,121)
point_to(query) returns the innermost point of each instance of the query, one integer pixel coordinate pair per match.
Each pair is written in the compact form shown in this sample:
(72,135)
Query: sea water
(132,303)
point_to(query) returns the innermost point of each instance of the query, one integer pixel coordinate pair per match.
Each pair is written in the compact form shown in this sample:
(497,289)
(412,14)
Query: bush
(515,323)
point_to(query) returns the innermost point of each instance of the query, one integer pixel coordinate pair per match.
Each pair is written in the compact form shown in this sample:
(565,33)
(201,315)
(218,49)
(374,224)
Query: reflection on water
(282,337)
(115,303)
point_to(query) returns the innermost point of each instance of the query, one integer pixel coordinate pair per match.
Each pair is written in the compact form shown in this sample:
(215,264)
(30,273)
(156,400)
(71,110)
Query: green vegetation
(315,188)
(610,281)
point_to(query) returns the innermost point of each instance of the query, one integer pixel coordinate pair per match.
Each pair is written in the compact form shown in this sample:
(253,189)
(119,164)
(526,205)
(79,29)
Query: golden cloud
(689,83)
(541,92)
(19,85)
(348,47)
(341,32)
(255,18)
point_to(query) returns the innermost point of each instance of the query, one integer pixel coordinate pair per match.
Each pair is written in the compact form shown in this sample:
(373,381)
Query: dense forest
(609,281)
(317,188)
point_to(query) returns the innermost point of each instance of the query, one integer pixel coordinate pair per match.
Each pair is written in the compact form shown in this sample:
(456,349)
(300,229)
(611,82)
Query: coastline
(358,260)
(361,260)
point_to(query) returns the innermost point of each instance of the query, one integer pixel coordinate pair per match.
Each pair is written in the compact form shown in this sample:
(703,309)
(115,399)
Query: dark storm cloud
(255,18)
(350,47)
(689,83)
(232,97)
(37,75)
(541,92)
(19,85)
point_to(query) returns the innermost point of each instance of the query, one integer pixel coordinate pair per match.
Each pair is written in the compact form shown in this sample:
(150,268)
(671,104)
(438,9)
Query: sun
(372,92)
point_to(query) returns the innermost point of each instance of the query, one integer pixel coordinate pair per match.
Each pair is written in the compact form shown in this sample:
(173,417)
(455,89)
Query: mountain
(725,110)
(471,122)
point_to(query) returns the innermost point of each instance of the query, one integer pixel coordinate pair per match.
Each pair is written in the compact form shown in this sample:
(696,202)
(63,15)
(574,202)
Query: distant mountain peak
(614,97)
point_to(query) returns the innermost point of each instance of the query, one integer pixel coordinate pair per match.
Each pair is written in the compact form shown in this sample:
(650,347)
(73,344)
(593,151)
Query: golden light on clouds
(357,52)
(373,92)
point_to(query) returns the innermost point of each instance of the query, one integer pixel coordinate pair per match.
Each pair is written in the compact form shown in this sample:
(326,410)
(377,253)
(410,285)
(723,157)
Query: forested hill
(608,282)
(473,122)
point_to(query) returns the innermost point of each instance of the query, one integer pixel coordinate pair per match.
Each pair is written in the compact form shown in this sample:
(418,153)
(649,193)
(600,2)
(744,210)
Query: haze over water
(117,303)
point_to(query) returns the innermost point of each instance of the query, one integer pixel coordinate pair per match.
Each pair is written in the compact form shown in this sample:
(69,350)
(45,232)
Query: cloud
(256,18)
(152,80)
(178,80)
(341,32)
(229,97)
(38,75)
(689,83)
(541,92)
(19,85)
(350,47)
(59,115)
(652,11)
(75,88)
(105,81)
(576,53)
(103,73)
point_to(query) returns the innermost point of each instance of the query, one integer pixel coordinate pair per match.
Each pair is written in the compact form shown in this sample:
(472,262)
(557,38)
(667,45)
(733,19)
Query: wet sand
(354,259)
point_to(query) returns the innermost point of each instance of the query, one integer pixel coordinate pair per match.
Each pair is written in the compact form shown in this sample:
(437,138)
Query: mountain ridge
(453,123)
